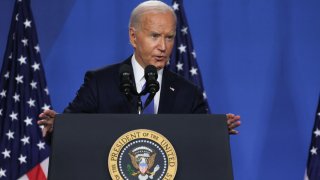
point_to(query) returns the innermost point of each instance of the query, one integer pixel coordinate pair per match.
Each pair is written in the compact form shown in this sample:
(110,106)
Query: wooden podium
(81,144)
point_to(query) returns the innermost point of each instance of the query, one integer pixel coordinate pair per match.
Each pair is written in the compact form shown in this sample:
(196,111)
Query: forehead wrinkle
(150,24)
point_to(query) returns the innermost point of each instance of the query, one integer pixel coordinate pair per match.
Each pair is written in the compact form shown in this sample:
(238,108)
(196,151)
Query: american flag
(183,57)
(313,165)
(23,95)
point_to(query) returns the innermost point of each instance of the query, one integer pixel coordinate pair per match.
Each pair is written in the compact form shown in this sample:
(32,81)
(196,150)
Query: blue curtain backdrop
(258,58)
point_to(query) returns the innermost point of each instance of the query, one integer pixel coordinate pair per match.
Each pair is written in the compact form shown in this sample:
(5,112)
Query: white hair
(146,7)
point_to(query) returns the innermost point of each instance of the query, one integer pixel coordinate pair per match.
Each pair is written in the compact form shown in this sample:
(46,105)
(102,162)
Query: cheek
(146,47)
(169,48)
(170,44)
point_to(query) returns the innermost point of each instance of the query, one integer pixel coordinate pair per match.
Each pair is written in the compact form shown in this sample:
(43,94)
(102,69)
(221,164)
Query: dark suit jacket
(100,93)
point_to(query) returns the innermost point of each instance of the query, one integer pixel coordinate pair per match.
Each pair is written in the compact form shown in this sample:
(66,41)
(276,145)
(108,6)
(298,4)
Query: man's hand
(47,119)
(233,122)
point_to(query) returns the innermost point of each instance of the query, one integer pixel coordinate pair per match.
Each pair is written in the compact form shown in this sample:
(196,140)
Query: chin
(159,66)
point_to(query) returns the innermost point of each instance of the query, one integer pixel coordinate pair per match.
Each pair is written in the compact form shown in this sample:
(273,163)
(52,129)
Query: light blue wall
(258,58)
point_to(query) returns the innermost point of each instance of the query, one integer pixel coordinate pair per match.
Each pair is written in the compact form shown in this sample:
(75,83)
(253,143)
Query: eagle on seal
(142,163)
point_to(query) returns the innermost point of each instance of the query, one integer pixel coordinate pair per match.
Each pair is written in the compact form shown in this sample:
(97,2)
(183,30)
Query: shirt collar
(138,72)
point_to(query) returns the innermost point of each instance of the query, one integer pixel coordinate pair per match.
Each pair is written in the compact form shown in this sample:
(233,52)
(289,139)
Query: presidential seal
(142,154)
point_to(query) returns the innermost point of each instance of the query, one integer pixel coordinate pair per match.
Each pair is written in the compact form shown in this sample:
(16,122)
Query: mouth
(160,58)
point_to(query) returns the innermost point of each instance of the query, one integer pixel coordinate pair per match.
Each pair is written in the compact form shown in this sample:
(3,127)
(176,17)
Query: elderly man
(152,32)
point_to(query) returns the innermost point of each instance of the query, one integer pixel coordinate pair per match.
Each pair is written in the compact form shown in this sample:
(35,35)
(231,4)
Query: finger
(230,115)
(45,131)
(47,127)
(50,113)
(233,132)
(47,113)
(44,122)
(233,119)
(237,117)
(44,116)
(234,125)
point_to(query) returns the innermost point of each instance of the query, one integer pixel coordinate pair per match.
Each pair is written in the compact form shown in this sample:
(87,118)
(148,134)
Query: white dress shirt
(139,79)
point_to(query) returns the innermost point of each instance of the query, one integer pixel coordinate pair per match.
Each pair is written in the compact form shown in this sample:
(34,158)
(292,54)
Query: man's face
(154,39)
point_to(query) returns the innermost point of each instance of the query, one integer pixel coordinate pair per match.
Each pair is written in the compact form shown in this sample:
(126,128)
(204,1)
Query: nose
(162,44)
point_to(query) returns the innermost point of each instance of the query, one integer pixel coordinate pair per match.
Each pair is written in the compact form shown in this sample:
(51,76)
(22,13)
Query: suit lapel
(168,93)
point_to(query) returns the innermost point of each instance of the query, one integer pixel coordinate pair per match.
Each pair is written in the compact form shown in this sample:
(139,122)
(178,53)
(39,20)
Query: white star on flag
(6,153)
(194,54)
(204,95)
(16,97)
(7,75)
(314,151)
(46,90)
(41,145)
(179,66)
(3,93)
(175,6)
(22,159)
(10,135)
(33,85)
(27,23)
(317,132)
(25,140)
(31,102)
(25,41)
(2,173)
(17,17)
(37,48)
(182,48)
(22,60)
(193,71)
(19,79)
(184,30)
(36,66)
(28,121)
(13,116)
(45,107)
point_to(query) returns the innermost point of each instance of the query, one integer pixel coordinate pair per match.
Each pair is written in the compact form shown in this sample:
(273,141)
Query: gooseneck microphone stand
(127,87)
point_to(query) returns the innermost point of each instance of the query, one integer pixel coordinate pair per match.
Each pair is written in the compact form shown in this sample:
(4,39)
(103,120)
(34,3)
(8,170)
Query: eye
(170,38)
(155,35)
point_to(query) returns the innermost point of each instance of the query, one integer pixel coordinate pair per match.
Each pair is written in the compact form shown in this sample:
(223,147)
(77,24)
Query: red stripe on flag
(36,173)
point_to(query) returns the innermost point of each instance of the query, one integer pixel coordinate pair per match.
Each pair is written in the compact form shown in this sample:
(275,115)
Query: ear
(132,35)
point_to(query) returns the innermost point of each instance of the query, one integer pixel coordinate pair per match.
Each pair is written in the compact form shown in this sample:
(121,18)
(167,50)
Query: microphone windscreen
(125,74)
(150,70)
(125,68)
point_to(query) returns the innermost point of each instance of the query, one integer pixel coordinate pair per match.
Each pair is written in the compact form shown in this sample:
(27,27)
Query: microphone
(125,74)
(151,75)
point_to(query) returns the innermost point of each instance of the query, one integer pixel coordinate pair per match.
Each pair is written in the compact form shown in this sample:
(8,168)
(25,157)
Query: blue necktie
(150,108)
